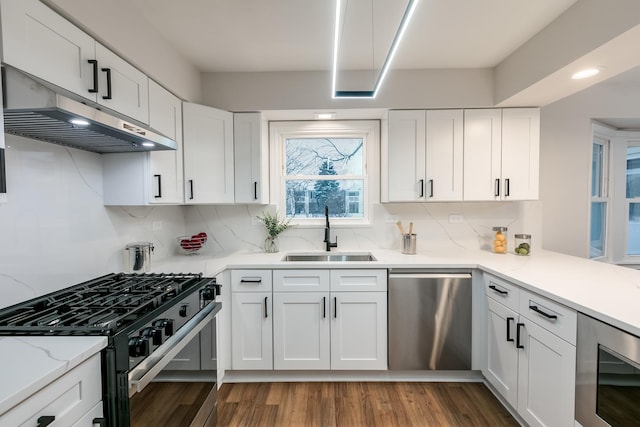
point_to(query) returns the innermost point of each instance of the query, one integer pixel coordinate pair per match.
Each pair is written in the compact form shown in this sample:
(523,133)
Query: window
(633,198)
(599,198)
(323,164)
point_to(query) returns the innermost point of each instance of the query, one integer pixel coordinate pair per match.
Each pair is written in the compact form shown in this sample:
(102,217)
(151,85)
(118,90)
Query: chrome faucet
(327,232)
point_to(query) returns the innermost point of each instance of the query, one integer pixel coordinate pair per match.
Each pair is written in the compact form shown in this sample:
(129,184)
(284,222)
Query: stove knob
(208,293)
(167,324)
(154,333)
(183,310)
(138,346)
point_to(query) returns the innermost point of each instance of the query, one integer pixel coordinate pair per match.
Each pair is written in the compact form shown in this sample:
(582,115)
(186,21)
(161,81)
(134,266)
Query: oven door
(607,375)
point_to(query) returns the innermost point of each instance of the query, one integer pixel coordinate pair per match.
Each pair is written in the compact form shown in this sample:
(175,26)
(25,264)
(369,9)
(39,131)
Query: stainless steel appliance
(35,110)
(429,320)
(148,318)
(607,375)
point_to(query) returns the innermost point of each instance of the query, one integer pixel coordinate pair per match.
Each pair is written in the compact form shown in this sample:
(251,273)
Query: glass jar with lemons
(500,240)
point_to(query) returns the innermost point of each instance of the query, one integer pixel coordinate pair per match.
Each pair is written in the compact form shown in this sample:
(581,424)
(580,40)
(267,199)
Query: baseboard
(351,376)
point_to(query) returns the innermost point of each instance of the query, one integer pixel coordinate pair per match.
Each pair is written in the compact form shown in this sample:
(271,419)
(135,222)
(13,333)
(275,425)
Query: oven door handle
(149,368)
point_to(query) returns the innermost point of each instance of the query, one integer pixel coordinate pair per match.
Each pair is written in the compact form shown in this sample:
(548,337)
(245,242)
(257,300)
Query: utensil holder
(409,244)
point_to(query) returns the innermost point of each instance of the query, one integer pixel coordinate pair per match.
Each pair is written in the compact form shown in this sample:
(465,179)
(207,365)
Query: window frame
(369,130)
(602,136)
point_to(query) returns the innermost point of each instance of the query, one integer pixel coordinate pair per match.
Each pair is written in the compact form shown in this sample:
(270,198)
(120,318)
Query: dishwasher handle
(429,276)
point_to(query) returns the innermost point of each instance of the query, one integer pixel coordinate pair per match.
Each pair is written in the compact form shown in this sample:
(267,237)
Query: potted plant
(274,225)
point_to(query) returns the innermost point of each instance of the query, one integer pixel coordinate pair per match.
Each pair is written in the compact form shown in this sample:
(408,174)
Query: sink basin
(329,257)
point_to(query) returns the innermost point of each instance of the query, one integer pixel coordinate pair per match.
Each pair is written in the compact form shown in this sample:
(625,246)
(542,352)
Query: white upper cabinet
(444,155)
(424,155)
(501,154)
(38,41)
(251,158)
(208,155)
(122,87)
(138,179)
(405,155)
(165,116)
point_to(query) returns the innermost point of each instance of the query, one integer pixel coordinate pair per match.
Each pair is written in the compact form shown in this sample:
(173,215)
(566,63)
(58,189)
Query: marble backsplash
(56,231)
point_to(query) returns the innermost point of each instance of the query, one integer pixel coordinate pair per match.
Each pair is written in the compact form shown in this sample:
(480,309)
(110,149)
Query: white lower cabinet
(251,330)
(74,399)
(531,353)
(316,324)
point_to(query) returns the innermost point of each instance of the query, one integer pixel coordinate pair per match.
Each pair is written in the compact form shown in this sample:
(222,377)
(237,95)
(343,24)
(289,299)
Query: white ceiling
(283,35)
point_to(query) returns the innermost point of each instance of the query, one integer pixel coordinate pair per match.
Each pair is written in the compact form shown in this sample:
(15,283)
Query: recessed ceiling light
(148,144)
(324,116)
(79,122)
(583,74)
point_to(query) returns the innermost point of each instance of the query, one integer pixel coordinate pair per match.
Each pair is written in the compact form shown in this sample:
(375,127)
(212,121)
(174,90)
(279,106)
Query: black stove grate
(100,306)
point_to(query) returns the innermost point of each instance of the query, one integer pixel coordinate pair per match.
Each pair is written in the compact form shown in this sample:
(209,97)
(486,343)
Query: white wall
(54,230)
(565,155)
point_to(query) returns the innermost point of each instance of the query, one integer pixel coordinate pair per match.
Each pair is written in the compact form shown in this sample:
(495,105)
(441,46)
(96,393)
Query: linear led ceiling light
(404,23)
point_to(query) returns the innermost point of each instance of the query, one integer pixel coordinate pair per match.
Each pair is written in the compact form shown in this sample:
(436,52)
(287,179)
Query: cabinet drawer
(67,399)
(300,280)
(552,316)
(358,280)
(251,280)
(502,291)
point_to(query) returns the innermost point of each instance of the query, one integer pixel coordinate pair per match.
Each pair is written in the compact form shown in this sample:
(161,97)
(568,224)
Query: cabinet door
(251,330)
(301,330)
(122,87)
(546,388)
(165,116)
(406,156)
(520,153)
(188,359)
(482,154)
(208,346)
(359,330)
(502,356)
(37,40)
(208,154)
(251,159)
(444,151)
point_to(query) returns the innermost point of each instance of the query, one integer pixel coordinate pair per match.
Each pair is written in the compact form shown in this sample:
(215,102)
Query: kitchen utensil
(137,256)
(411,228)
(400,227)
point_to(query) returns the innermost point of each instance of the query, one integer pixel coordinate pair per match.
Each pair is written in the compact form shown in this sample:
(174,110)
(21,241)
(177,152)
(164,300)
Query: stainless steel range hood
(34,110)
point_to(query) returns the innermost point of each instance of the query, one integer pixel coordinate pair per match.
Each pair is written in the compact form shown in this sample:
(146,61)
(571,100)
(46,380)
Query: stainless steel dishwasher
(429,320)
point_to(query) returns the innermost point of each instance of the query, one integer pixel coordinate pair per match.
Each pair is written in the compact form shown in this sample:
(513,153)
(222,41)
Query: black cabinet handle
(497,187)
(266,313)
(108,71)
(506,187)
(518,326)
(421,188)
(430,188)
(324,307)
(102,422)
(509,320)
(255,190)
(159,178)
(335,307)
(545,314)
(190,189)
(45,420)
(250,280)
(500,291)
(94,62)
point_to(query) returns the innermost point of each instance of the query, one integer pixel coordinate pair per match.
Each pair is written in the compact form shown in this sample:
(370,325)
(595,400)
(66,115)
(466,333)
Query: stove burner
(105,304)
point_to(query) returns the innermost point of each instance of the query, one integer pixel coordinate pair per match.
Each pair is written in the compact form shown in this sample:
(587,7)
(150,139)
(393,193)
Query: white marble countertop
(28,364)
(608,292)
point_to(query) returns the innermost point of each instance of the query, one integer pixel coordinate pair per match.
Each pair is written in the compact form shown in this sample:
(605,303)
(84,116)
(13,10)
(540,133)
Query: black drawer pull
(518,326)
(45,420)
(324,307)
(500,291)
(545,314)
(509,320)
(266,313)
(250,280)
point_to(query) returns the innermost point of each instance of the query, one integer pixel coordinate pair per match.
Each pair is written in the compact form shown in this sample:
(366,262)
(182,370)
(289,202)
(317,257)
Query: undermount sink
(344,257)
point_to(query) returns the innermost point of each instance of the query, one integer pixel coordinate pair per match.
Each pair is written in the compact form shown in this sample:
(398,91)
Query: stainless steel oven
(607,375)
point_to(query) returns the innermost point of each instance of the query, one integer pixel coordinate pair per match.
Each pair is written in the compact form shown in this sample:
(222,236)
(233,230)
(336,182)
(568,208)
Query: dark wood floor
(360,404)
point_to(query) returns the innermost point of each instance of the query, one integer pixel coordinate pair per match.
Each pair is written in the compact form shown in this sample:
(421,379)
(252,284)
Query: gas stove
(147,318)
